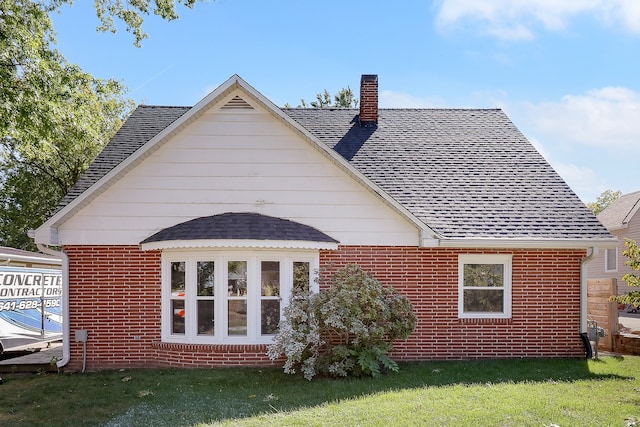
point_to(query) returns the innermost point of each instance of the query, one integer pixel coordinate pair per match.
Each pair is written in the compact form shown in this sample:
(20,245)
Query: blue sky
(566,72)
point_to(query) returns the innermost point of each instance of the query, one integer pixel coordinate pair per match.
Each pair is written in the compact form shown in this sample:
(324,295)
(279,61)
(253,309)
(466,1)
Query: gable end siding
(237,161)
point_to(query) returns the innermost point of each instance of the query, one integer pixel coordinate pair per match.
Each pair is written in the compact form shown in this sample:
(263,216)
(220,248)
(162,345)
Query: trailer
(30,307)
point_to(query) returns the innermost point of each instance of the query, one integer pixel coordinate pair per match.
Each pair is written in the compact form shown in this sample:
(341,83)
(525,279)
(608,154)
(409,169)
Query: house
(622,220)
(184,238)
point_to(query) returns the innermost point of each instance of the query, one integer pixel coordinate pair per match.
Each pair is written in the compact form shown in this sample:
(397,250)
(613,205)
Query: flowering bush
(347,329)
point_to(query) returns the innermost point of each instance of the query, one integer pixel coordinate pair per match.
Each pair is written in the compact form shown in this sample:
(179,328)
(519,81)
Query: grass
(604,392)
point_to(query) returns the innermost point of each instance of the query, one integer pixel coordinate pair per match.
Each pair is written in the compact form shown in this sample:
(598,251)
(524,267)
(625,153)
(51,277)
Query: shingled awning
(239,230)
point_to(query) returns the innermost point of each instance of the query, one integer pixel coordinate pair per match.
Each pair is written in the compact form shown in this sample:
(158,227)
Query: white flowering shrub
(347,329)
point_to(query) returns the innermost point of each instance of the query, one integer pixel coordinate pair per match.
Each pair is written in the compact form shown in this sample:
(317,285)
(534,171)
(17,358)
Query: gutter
(66,346)
(583,288)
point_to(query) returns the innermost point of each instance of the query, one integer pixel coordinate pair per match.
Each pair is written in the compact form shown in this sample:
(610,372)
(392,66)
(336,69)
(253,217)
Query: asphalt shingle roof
(617,214)
(466,173)
(245,226)
(143,124)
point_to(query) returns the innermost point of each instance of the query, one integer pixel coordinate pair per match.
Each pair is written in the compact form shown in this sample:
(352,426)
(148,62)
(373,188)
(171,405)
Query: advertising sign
(30,306)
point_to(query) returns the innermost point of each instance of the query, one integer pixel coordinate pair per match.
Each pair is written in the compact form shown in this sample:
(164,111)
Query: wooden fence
(603,311)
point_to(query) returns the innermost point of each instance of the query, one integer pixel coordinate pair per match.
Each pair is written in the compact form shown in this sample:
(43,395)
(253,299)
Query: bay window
(230,296)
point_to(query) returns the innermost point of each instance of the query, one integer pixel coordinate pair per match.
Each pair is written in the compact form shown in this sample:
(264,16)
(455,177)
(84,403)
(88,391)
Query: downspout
(583,288)
(66,345)
(584,334)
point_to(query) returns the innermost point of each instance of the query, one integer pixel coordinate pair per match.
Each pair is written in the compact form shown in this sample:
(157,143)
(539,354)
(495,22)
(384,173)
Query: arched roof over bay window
(239,230)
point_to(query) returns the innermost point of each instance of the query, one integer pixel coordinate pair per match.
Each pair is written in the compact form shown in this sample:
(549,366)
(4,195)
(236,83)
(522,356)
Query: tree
(632,252)
(54,119)
(131,12)
(604,199)
(345,98)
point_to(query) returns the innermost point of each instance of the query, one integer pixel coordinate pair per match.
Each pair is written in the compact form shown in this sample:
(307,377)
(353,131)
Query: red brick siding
(115,294)
(545,302)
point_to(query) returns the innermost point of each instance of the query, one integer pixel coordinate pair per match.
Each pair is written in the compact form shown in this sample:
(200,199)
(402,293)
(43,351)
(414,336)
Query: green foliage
(132,13)
(346,329)
(604,199)
(54,119)
(345,98)
(632,252)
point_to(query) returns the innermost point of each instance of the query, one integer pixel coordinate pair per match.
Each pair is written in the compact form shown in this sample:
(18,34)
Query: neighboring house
(622,220)
(186,235)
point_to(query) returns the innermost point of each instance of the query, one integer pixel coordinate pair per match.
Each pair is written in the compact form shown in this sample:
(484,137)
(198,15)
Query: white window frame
(607,267)
(506,261)
(221,259)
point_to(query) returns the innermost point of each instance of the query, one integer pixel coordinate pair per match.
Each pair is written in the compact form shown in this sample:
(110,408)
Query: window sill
(485,321)
(214,348)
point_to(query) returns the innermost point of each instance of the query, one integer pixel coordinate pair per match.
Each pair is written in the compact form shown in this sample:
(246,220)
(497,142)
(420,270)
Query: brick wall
(115,294)
(545,302)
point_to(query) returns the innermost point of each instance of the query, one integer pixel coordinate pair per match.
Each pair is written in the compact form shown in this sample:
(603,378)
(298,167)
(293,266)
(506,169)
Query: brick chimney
(368,99)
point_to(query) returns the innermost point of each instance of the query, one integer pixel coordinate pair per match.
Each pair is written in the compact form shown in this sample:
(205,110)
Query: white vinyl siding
(237,161)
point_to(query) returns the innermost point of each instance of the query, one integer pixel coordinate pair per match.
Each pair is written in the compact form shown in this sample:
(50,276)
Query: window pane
(611,260)
(205,317)
(270,285)
(485,301)
(177,308)
(270,316)
(237,317)
(301,276)
(237,279)
(484,275)
(177,278)
(206,277)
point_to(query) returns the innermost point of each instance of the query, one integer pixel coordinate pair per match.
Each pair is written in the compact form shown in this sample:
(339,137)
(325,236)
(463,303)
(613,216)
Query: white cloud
(517,20)
(583,180)
(607,117)
(590,139)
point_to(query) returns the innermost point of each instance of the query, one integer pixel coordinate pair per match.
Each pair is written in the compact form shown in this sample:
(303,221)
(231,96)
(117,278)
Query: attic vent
(237,103)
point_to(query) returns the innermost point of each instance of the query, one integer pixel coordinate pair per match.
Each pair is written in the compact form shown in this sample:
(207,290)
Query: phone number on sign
(28,304)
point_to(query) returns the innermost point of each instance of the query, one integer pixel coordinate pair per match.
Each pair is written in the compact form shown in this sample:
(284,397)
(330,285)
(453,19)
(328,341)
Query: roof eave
(238,243)
(526,243)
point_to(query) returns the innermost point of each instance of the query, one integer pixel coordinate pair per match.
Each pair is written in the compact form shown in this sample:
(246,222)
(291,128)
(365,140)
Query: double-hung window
(230,296)
(484,286)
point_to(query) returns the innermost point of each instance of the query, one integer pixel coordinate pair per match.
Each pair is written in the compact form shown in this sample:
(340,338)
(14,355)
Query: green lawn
(603,392)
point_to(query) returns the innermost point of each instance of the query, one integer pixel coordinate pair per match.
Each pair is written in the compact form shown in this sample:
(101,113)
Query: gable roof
(140,136)
(467,173)
(618,214)
(462,174)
